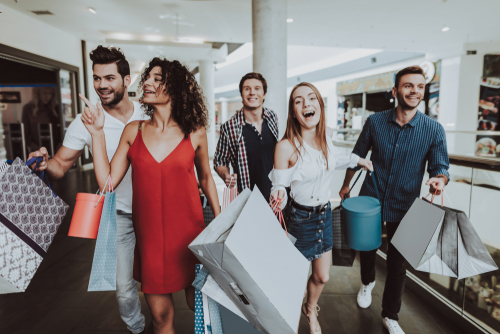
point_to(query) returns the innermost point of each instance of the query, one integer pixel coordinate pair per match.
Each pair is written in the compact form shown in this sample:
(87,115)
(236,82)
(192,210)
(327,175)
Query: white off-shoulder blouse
(309,178)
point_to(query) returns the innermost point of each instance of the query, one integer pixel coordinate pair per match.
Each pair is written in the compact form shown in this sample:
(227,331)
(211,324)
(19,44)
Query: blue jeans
(313,230)
(126,287)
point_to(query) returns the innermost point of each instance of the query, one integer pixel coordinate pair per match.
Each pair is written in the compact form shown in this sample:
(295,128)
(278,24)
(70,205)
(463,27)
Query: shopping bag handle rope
(110,189)
(275,206)
(230,182)
(374,179)
(435,194)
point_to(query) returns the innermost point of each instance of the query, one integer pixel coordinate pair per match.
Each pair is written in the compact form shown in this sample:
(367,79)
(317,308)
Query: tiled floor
(57,301)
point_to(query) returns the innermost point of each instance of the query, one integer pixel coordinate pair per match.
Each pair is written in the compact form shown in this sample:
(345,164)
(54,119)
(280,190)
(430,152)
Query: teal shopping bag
(207,312)
(103,275)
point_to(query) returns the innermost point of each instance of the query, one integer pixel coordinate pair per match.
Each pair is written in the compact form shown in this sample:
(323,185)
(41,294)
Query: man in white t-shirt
(111,79)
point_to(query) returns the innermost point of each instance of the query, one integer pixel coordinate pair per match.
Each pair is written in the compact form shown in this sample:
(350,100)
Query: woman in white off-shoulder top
(304,160)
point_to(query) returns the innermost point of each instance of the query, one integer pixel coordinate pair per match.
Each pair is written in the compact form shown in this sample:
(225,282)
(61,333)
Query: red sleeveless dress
(167,217)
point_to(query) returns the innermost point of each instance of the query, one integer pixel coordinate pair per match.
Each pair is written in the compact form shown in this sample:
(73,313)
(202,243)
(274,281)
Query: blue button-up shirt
(399,155)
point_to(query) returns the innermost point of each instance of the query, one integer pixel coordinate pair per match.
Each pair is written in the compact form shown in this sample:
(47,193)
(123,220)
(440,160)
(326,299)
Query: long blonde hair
(293,129)
(36,100)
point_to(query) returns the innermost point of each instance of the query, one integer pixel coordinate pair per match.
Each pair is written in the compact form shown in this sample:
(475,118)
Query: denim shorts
(313,230)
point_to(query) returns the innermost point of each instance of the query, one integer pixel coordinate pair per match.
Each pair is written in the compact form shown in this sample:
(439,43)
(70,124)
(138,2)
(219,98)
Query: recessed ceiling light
(289,20)
(92,10)
(445,29)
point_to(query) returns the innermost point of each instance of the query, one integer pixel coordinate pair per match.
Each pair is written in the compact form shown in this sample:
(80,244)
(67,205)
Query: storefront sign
(10,97)
(379,82)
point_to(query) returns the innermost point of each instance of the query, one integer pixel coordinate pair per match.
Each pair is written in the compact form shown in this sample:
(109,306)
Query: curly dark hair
(188,103)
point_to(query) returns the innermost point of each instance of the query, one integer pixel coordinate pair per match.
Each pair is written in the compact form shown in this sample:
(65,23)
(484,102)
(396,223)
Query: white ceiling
(332,27)
(383,24)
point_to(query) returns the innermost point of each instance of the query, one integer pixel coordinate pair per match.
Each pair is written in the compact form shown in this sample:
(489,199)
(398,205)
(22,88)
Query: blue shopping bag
(207,312)
(103,275)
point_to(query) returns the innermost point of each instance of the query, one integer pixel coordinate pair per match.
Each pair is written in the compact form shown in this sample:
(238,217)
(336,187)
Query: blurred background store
(350,50)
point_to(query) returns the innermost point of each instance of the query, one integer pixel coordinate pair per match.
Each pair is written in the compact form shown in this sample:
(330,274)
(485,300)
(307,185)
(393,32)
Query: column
(206,70)
(224,111)
(269,53)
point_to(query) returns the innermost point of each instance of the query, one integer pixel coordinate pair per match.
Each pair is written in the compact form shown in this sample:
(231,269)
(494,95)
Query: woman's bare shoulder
(130,131)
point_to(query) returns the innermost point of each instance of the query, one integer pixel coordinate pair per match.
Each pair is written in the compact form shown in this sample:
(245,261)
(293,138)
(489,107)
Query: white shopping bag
(251,258)
(441,240)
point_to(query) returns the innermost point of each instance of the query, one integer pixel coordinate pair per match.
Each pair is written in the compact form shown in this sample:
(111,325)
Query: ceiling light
(445,29)
(92,10)
(192,40)
(289,20)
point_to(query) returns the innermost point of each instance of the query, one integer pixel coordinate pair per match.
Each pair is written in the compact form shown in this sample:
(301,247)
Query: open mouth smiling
(309,113)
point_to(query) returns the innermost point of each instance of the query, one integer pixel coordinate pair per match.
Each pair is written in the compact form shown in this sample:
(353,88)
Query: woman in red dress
(166,207)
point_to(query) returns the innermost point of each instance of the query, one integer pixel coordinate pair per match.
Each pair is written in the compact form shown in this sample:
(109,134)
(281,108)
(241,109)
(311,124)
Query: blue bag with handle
(207,313)
(103,275)
(362,217)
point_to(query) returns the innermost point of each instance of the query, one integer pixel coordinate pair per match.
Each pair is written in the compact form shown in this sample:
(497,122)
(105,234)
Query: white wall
(28,34)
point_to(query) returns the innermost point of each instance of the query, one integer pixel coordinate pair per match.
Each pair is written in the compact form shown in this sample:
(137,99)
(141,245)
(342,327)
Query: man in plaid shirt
(248,139)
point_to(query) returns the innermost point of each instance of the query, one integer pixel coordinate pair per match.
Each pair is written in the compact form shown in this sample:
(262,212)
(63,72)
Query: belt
(321,209)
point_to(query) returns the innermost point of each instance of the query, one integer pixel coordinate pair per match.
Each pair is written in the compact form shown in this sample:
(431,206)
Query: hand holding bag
(30,215)
(229,194)
(441,240)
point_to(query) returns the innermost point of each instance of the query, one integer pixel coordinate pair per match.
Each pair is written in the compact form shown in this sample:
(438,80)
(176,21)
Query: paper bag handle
(434,195)
(275,206)
(110,189)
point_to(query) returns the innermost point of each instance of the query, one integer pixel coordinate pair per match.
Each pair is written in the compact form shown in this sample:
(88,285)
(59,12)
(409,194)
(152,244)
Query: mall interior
(350,50)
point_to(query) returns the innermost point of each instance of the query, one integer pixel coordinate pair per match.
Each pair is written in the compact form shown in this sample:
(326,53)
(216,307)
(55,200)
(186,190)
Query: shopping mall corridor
(57,301)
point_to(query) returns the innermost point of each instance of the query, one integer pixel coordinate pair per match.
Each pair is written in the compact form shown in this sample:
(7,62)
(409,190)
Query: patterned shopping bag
(199,324)
(229,194)
(30,215)
(207,313)
(103,275)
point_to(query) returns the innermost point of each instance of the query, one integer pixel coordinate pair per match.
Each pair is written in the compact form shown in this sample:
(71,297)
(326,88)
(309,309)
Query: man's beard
(118,96)
(403,104)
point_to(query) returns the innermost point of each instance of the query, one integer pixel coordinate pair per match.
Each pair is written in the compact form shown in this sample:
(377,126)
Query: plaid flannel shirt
(231,146)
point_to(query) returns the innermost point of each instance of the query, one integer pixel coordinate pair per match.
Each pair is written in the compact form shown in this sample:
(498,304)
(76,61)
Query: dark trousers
(396,275)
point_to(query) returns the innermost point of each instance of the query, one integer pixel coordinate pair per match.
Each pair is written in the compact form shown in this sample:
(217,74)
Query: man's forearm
(54,169)
(222,171)
(349,174)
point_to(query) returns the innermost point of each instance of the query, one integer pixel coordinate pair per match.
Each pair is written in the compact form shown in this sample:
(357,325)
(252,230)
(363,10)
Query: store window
(37,103)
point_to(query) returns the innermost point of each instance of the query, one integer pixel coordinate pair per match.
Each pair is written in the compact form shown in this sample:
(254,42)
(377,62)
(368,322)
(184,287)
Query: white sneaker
(365,295)
(392,326)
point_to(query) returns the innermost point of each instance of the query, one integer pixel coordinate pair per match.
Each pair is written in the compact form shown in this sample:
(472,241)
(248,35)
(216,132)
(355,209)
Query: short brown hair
(253,75)
(408,70)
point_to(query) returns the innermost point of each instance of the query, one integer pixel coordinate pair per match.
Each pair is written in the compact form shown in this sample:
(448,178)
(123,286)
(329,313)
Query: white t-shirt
(77,137)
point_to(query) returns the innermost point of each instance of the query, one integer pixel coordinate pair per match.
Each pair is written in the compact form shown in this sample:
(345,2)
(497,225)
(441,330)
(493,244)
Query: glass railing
(474,188)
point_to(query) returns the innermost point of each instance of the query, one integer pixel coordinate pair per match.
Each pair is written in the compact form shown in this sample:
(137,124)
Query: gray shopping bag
(251,258)
(103,275)
(441,240)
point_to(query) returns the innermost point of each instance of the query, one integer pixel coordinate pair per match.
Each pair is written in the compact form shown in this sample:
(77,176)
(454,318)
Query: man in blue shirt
(402,141)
